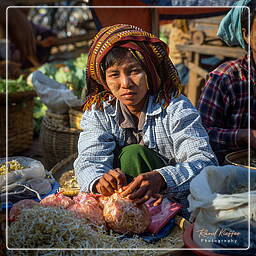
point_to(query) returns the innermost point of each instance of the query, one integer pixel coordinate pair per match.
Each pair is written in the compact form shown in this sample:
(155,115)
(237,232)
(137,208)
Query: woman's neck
(136,110)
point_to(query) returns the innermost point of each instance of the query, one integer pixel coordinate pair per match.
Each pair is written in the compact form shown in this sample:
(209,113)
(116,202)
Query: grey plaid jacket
(175,133)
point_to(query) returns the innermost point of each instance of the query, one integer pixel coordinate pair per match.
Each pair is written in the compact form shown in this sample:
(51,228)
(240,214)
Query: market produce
(123,216)
(68,183)
(12,165)
(18,85)
(51,227)
(70,73)
(38,114)
(57,200)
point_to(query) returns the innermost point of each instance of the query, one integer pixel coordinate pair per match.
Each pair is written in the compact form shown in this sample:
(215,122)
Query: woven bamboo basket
(60,120)
(13,69)
(20,122)
(57,141)
(75,117)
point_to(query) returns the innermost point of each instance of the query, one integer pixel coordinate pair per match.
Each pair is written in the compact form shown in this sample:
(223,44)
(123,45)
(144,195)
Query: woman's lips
(128,95)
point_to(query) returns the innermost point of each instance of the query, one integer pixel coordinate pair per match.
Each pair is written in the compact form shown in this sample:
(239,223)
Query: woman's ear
(245,35)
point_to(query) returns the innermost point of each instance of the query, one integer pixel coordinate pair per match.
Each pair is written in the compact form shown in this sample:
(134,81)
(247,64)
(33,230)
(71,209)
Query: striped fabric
(147,49)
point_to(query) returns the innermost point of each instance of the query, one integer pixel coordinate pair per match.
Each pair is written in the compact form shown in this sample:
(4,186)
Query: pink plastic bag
(19,206)
(123,216)
(88,211)
(161,214)
(57,200)
(87,206)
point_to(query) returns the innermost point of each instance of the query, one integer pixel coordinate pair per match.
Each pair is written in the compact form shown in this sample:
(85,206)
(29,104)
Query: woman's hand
(111,181)
(144,186)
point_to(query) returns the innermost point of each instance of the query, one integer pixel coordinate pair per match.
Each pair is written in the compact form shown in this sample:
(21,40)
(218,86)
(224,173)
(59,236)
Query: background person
(224,102)
(30,44)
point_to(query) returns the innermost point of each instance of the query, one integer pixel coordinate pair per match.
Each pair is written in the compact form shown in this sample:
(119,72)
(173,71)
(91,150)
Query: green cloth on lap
(136,159)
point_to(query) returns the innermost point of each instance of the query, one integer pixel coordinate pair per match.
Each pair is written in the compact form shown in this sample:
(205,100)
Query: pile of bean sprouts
(49,227)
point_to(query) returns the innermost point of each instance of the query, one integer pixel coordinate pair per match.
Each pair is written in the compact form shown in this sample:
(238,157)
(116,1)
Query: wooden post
(193,81)
(154,22)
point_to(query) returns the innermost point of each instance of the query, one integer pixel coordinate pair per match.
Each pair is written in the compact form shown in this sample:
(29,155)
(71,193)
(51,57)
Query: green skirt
(135,159)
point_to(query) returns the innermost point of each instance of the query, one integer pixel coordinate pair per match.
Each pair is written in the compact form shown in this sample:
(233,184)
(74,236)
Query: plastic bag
(57,97)
(33,188)
(88,211)
(87,206)
(33,169)
(219,202)
(19,206)
(161,214)
(57,200)
(123,216)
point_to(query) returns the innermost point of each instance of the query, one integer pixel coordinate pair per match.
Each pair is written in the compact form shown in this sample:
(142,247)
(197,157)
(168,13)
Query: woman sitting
(140,134)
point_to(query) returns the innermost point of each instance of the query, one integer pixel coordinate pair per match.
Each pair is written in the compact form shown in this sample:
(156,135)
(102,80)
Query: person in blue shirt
(139,134)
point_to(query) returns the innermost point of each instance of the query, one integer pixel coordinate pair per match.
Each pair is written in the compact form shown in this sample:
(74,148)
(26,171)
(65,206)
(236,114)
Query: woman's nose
(125,81)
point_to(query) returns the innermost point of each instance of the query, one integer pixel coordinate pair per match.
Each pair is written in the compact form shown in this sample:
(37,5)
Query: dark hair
(252,15)
(115,56)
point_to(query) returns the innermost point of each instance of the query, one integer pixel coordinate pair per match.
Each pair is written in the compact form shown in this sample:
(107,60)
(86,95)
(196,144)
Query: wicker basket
(60,168)
(57,142)
(75,117)
(60,120)
(240,158)
(13,69)
(20,122)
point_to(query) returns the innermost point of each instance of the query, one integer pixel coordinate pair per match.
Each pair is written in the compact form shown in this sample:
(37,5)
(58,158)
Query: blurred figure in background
(224,102)
(30,44)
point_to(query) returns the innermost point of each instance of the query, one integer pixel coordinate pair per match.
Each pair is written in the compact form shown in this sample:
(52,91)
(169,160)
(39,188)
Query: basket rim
(75,111)
(63,162)
(236,164)
(54,115)
(17,96)
(53,127)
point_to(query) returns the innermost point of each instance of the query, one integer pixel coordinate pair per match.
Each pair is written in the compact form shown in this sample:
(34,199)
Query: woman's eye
(113,75)
(135,71)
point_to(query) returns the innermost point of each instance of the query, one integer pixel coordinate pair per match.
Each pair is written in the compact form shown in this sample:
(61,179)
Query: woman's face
(128,83)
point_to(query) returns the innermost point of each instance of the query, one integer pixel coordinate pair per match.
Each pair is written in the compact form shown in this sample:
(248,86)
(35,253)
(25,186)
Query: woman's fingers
(143,199)
(132,187)
(106,185)
(138,193)
(100,189)
(159,198)
(111,180)
(119,176)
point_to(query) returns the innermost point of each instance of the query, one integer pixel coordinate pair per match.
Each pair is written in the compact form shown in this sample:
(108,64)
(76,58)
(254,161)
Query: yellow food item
(68,183)
(12,165)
